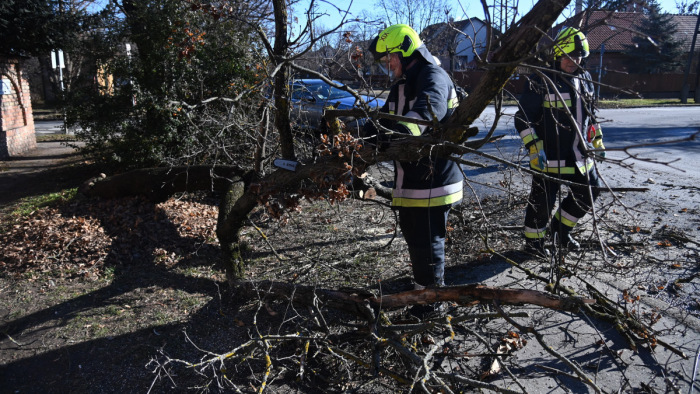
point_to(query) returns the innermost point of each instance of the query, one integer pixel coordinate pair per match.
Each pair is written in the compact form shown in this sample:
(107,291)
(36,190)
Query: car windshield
(327,92)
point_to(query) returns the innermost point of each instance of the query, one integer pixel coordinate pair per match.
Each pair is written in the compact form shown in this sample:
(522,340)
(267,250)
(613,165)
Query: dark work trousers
(424,230)
(543,196)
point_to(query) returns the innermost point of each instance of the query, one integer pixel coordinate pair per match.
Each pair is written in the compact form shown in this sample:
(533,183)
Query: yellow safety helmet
(572,42)
(400,39)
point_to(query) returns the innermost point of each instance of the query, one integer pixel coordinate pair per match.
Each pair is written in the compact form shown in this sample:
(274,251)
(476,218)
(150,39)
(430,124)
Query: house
(458,44)
(610,34)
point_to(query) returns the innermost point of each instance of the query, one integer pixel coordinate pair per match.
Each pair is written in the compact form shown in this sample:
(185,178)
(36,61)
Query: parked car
(310,97)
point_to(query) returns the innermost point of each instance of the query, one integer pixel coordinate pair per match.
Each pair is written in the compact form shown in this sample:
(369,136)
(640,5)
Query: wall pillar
(17,133)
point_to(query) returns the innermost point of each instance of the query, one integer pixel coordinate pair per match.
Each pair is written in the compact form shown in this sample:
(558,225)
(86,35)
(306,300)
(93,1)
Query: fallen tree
(367,305)
(350,158)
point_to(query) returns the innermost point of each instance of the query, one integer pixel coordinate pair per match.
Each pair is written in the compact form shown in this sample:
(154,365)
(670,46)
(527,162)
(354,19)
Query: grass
(55,137)
(30,204)
(632,103)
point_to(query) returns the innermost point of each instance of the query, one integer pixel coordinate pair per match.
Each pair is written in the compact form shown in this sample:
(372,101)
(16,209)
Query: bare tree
(418,14)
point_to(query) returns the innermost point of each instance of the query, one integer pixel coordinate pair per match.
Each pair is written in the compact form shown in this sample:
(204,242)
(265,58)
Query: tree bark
(356,302)
(281,87)
(157,184)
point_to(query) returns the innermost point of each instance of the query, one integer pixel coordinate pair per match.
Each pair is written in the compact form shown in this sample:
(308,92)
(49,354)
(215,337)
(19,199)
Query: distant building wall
(613,84)
(16,122)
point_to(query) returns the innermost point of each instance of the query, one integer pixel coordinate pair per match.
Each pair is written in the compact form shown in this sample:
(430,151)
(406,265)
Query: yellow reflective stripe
(528,135)
(598,130)
(412,127)
(556,104)
(565,219)
(426,202)
(534,233)
(555,97)
(452,103)
(560,170)
(565,170)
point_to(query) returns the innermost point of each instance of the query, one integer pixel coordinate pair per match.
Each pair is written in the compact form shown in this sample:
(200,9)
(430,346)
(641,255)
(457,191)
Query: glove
(538,159)
(598,144)
(595,137)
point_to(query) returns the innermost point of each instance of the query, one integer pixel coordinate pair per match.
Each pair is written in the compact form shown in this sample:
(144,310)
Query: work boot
(561,235)
(536,247)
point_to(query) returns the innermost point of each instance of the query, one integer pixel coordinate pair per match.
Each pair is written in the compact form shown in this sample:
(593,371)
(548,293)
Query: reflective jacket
(543,116)
(431,181)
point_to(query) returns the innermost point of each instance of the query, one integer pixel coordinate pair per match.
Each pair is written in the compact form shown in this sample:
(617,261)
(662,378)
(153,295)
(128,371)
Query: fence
(647,85)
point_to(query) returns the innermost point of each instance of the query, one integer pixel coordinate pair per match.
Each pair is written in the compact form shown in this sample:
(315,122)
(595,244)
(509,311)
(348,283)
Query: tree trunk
(157,184)
(231,220)
(356,302)
(516,44)
(281,88)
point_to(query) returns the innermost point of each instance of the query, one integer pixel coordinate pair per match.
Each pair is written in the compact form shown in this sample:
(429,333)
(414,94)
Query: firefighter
(558,128)
(424,190)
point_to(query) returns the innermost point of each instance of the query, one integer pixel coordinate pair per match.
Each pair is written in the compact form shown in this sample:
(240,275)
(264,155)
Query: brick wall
(16,122)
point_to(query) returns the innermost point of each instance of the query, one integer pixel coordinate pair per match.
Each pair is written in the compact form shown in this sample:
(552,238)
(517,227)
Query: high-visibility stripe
(428,193)
(535,233)
(556,163)
(580,158)
(565,218)
(453,103)
(452,100)
(553,101)
(415,129)
(558,167)
(402,100)
(438,196)
(528,135)
(555,97)
(426,202)
(556,104)
(412,127)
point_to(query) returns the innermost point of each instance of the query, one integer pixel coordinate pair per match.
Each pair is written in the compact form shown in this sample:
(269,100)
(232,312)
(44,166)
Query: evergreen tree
(36,26)
(657,50)
(146,107)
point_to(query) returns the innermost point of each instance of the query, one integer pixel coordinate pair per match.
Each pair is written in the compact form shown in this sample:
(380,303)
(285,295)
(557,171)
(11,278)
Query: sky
(472,8)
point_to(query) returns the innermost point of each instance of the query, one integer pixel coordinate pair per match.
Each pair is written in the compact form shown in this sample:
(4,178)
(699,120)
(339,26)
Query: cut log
(357,302)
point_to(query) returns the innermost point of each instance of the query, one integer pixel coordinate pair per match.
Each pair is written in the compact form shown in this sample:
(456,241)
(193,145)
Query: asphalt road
(43,127)
(651,136)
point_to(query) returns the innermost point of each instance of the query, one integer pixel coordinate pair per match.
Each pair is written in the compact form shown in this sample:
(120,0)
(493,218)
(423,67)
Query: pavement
(50,167)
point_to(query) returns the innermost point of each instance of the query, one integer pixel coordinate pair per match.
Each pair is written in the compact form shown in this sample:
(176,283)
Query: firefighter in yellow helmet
(557,125)
(424,190)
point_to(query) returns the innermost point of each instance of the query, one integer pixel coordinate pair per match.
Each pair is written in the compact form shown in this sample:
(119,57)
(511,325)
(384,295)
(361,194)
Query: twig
(267,241)
(358,360)
(13,340)
(558,372)
(582,375)
(476,383)
(503,365)
(695,370)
